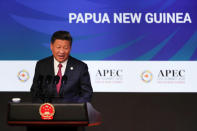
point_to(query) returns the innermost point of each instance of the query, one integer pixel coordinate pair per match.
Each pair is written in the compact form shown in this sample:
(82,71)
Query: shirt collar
(56,63)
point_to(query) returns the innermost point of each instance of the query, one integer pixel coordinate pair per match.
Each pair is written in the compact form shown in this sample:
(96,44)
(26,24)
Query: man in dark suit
(77,87)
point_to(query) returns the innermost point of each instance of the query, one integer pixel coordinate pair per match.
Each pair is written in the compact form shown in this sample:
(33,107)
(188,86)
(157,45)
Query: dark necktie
(60,75)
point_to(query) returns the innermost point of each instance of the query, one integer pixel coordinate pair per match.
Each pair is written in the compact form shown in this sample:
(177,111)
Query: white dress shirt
(56,68)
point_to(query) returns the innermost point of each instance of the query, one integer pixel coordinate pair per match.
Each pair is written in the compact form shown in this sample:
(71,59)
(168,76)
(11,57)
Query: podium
(70,114)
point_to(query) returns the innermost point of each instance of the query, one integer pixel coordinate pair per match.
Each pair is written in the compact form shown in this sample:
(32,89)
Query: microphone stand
(53,86)
(46,90)
(63,84)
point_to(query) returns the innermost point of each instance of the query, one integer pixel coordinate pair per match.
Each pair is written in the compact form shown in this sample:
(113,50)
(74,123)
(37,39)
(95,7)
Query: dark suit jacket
(78,86)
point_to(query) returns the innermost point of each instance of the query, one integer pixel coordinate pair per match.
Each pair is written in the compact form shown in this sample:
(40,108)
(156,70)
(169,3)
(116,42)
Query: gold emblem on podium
(47,111)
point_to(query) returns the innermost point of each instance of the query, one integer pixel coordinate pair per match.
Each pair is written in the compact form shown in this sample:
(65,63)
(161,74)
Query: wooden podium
(71,114)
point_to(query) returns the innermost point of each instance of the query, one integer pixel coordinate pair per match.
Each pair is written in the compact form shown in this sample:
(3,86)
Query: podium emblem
(47,111)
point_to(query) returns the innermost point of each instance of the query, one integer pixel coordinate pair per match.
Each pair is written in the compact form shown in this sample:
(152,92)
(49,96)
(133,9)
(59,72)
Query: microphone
(53,86)
(63,84)
(38,90)
(47,92)
(48,79)
(64,79)
(40,80)
(56,80)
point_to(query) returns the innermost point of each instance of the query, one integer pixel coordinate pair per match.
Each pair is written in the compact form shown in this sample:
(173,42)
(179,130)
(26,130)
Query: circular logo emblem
(23,75)
(47,111)
(146,76)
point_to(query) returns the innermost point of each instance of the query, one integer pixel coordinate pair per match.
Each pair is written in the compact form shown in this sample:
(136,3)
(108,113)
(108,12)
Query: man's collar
(57,63)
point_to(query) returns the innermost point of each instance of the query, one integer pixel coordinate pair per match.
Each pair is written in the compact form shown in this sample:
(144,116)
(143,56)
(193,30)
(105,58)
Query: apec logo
(171,76)
(109,75)
(146,76)
(23,75)
(171,73)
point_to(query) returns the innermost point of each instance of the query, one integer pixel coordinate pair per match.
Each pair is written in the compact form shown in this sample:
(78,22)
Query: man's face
(61,49)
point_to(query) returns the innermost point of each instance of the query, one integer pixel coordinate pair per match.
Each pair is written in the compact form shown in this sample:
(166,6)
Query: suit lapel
(67,71)
(51,66)
(68,66)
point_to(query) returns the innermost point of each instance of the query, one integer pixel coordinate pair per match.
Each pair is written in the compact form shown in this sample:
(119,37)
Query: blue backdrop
(26,27)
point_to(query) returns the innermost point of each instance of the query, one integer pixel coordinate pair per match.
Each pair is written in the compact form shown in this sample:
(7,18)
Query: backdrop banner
(114,76)
(129,45)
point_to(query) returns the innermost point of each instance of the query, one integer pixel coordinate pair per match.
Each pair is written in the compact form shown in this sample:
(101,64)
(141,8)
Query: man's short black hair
(62,35)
